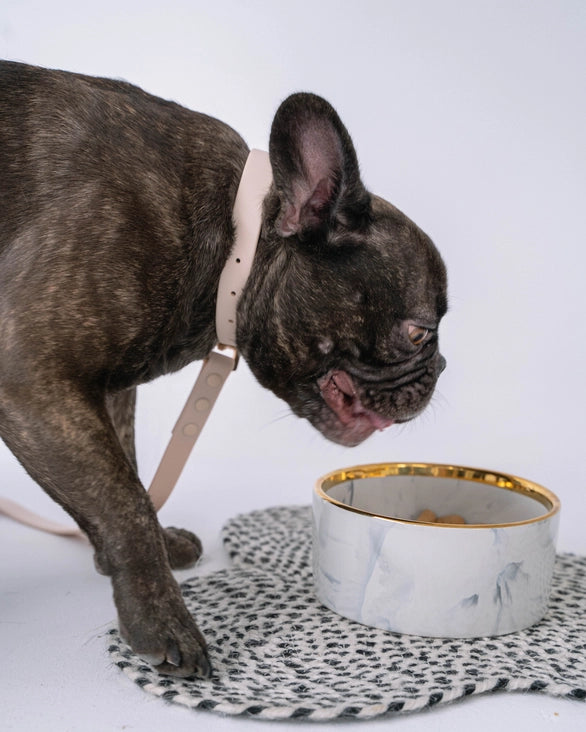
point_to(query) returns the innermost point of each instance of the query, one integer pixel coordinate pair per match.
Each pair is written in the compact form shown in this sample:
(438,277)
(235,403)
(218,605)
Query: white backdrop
(469,116)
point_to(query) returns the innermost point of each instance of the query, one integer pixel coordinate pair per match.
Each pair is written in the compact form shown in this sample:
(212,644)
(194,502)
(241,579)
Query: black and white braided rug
(278,654)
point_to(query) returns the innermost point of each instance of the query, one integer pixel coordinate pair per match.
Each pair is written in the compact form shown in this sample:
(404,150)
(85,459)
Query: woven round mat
(278,654)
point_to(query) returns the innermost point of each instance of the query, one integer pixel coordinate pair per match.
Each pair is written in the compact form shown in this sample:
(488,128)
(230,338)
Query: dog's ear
(315,168)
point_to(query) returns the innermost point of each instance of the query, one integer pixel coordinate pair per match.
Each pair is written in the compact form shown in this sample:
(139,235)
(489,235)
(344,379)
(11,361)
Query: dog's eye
(417,335)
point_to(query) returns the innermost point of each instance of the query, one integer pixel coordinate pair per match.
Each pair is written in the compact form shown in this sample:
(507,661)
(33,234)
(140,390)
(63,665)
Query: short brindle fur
(115,224)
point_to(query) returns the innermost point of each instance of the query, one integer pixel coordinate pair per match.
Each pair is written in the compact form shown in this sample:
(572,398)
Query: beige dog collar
(254,184)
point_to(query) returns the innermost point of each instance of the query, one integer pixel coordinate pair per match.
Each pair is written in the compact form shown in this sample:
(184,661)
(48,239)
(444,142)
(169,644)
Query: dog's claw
(205,667)
(154,659)
(175,666)
(173,654)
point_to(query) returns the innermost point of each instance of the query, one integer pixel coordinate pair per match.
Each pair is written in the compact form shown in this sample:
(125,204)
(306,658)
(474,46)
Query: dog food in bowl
(427,516)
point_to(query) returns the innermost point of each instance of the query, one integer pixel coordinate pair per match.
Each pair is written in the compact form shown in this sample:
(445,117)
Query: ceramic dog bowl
(374,563)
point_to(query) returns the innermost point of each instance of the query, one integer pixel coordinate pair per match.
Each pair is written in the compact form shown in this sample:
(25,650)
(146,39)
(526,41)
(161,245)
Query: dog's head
(341,311)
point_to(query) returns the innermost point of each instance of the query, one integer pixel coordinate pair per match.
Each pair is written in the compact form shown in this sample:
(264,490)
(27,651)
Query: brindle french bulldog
(115,224)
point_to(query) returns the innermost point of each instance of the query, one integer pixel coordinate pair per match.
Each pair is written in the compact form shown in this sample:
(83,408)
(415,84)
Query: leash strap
(212,377)
(218,365)
(21,514)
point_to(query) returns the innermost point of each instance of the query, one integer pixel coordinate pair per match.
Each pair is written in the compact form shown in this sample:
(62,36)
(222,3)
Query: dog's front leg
(183,547)
(65,438)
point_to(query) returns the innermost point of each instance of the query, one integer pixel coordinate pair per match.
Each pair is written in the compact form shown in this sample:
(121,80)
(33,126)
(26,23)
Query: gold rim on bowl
(436,470)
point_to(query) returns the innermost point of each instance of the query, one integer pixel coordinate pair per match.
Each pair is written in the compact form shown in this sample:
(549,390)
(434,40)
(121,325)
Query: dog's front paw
(163,633)
(183,547)
(185,657)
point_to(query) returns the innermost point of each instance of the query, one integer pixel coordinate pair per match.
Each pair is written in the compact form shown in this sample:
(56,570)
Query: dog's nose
(441,364)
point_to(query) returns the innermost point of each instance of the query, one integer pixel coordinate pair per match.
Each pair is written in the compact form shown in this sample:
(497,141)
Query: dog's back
(63,135)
